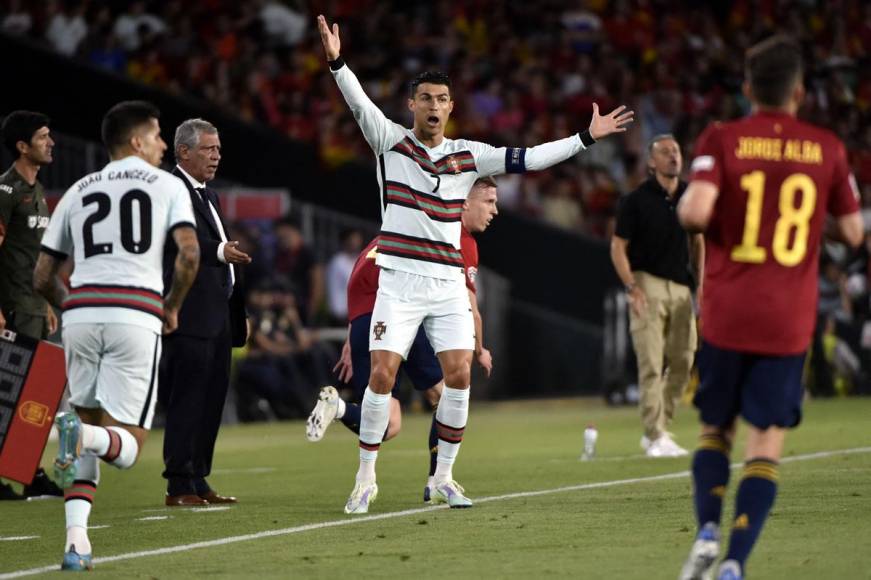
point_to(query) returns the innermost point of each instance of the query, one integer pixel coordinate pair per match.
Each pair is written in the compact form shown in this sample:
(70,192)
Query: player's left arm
(496,160)
(482,355)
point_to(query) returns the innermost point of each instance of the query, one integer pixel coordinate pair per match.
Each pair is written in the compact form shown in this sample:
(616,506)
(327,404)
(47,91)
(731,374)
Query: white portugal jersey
(423,188)
(115,223)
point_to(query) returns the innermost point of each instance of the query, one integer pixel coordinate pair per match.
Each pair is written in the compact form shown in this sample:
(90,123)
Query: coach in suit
(195,365)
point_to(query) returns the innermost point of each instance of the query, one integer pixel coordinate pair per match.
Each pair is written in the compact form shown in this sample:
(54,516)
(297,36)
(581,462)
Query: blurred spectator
(530,70)
(285,364)
(17,20)
(66,27)
(133,26)
(281,23)
(833,305)
(561,205)
(298,264)
(108,55)
(339,272)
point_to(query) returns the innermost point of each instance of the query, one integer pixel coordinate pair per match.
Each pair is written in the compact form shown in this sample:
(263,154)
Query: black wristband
(586,138)
(336,64)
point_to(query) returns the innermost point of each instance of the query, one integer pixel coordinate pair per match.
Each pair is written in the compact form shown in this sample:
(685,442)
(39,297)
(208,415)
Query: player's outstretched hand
(344,368)
(233,255)
(170,320)
(485,359)
(330,38)
(614,122)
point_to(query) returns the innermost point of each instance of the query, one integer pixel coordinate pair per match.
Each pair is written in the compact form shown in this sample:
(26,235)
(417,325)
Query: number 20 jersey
(114,223)
(777,177)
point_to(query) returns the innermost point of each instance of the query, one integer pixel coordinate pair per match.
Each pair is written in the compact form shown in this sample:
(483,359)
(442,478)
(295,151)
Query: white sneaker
(363,495)
(451,493)
(323,414)
(730,570)
(676,450)
(665,447)
(644,443)
(427,491)
(703,555)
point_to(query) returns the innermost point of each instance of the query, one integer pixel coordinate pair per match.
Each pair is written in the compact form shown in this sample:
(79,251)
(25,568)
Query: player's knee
(381,379)
(459,377)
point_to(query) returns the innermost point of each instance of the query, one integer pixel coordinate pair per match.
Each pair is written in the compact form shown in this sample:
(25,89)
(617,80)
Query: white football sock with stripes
(374,416)
(451,417)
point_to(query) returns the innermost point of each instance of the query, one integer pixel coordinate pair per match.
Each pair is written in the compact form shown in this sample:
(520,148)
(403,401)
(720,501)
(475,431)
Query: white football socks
(127,450)
(115,445)
(451,417)
(77,504)
(95,440)
(374,416)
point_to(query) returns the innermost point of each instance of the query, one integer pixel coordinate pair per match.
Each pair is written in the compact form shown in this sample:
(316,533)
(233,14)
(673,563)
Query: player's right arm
(187,262)
(57,245)
(696,206)
(380,132)
(843,202)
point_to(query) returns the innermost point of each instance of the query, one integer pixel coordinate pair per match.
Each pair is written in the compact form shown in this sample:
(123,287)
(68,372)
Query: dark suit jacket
(206,309)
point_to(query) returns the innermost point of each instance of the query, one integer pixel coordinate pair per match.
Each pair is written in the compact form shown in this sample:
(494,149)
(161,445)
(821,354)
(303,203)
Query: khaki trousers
(665,341)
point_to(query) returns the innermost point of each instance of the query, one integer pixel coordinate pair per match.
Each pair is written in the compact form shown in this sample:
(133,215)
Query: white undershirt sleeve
(380,132)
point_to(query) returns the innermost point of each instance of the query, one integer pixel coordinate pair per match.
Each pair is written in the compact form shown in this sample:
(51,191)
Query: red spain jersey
(363,284)
(777,177)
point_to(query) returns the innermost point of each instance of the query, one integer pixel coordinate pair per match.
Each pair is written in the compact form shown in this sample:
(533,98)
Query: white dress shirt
(197,185)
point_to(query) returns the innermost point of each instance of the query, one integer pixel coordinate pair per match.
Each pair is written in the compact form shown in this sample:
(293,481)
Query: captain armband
(515,160)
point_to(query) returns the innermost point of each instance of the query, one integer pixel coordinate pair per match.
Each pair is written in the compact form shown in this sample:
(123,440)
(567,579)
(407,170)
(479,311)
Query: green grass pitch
(820,527)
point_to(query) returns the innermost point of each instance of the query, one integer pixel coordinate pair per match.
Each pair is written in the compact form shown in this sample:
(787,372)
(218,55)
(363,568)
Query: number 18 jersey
(777,177)
(114,223)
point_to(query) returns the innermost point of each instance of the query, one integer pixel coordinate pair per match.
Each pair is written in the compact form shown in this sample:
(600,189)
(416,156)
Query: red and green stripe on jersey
(458,162)
(413,248)
(436,208)
(107,296)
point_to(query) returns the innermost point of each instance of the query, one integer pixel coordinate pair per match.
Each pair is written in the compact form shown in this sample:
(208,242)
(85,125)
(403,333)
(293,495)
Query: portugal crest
(379,329)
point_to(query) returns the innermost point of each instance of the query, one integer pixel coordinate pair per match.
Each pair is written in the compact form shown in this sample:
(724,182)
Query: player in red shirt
(761,188)
(422,365)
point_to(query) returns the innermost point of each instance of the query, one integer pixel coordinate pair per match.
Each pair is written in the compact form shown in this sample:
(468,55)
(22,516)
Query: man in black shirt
(651,253)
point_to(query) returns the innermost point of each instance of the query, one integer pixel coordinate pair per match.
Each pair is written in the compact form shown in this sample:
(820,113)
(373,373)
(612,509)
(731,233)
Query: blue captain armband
(515,160)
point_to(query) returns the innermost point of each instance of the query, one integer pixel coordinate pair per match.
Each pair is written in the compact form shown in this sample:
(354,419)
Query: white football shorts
(113,367)
(405,301)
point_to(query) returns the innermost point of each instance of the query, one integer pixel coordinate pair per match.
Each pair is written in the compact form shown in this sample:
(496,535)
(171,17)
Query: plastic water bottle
(590,437)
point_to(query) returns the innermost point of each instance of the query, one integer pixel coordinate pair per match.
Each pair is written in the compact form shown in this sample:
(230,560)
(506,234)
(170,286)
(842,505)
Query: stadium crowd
(517,81)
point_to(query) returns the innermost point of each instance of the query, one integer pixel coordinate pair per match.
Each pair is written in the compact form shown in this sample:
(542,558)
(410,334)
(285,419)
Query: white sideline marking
(17,538)
(217,508)
(247,470)
(102,527)
(390,515)
(152,518)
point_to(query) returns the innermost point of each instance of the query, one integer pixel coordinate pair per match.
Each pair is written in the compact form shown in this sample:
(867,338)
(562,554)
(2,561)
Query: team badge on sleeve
(703,163)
